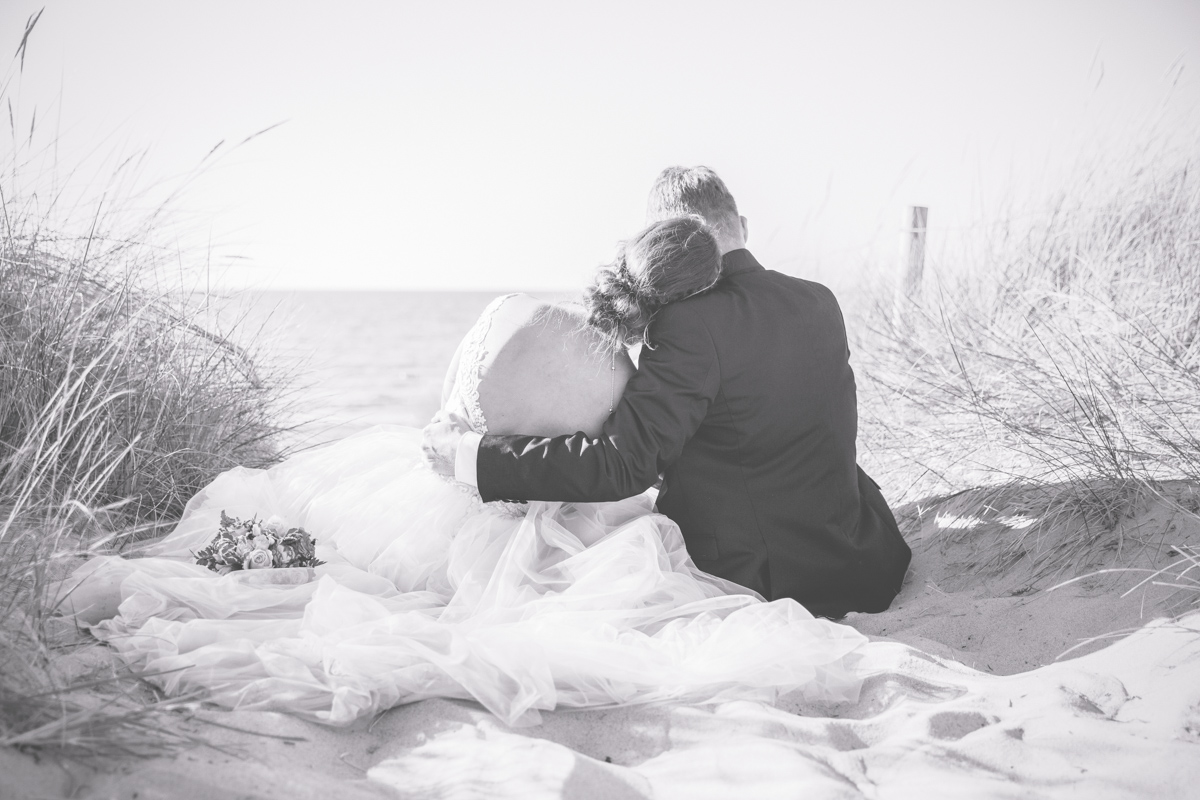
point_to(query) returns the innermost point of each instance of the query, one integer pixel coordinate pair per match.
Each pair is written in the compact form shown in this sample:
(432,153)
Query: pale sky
(496,145)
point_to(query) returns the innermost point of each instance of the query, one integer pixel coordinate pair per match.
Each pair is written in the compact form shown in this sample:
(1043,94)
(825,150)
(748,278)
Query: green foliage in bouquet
(250,544)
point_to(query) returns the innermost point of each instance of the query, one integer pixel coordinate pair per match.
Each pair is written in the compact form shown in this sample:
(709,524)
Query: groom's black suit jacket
(746,404)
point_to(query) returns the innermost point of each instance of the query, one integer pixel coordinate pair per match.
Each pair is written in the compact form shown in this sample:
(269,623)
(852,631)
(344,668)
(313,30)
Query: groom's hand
(439,443)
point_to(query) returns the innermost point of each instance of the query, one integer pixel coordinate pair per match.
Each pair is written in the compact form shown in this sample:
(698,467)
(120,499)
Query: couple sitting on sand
(561,581)
(743,400)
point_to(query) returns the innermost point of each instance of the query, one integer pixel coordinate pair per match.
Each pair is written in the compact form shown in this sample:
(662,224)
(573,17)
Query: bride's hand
(439,443)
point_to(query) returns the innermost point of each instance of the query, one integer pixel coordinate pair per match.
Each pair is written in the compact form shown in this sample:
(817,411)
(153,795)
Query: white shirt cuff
(465,458)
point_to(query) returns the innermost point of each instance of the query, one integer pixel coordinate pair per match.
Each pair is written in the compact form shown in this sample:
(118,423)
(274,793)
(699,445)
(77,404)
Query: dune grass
(117,404)
(1058,362)
(119,399)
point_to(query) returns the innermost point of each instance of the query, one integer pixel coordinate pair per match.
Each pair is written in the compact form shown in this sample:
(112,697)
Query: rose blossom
(259,559)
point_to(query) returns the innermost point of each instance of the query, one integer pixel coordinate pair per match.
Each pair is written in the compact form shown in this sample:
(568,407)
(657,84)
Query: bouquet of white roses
(250,544)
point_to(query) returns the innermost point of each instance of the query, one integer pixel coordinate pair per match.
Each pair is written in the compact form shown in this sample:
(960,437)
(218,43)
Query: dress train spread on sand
(429,592)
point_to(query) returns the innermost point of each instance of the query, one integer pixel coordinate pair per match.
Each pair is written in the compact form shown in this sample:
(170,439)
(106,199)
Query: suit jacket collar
(737,261)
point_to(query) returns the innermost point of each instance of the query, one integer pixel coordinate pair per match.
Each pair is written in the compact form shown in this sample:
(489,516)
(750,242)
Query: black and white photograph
(625,400)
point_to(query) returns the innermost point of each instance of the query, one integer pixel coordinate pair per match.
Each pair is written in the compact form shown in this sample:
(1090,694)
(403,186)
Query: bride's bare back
(543,371)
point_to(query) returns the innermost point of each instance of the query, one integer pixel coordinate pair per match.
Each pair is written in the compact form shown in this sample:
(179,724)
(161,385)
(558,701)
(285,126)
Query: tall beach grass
(117,404)
(119,399)
(1056,361)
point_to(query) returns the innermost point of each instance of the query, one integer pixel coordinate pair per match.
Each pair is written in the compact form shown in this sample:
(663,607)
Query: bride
(428,592)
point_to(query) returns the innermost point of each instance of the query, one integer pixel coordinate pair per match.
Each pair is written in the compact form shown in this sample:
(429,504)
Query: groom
(746,405)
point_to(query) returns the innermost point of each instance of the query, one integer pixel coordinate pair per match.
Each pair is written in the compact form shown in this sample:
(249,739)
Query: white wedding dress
(428,592)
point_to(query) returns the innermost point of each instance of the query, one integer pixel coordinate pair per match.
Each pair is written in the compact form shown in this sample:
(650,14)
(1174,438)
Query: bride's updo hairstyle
(668,261)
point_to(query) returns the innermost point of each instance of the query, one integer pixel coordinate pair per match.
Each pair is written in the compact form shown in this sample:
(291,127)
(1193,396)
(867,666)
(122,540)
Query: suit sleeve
(662,406)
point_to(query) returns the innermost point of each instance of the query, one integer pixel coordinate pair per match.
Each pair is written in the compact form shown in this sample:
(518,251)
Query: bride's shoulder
(520,310)
(569,309)
(522,300)
(506,315)
(524,321)
(512,305)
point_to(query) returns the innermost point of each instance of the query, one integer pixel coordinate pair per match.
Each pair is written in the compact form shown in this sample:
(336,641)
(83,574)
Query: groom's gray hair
(679,191)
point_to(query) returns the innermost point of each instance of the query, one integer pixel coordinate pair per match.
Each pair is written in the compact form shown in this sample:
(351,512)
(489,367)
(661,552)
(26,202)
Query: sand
(967,697)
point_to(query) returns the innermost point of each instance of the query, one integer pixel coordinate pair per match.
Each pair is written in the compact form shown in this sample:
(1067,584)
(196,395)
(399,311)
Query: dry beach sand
(965,699)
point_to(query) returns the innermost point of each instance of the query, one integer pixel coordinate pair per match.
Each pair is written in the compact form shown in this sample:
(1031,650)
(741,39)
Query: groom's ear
(745,229)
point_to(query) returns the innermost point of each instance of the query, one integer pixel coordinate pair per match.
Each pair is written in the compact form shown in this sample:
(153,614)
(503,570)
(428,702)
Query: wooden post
(916,218)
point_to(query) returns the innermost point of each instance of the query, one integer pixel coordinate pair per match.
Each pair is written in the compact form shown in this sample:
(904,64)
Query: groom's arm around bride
(745,402)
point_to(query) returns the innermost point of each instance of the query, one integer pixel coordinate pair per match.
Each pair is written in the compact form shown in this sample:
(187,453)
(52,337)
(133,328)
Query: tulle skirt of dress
(427,592)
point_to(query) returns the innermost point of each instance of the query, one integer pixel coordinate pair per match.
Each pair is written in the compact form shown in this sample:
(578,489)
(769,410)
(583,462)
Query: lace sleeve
(487,335)
(472,362)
